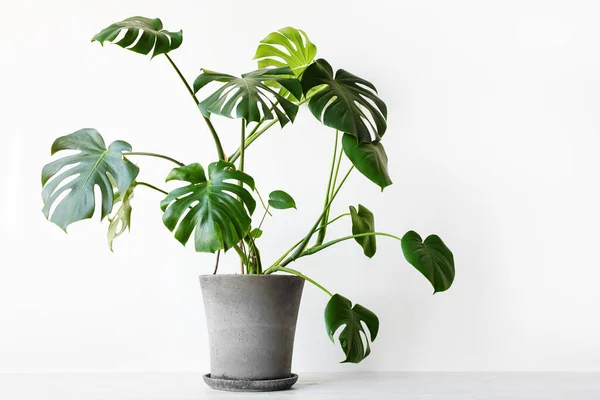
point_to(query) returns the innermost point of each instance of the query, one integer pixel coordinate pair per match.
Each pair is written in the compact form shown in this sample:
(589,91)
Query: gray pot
(251,322)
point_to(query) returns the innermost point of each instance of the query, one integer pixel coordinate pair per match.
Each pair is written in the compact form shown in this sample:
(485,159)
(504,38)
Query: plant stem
(301,275)
(217,263)
(251,138)
(255,135)
(316,249)
(304,243)
(322,232)
(276,263)
(213,132)
(266,207)
(242,147)
(140,153)
(152,187)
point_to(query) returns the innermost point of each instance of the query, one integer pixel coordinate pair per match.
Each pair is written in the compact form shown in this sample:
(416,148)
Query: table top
(421,385)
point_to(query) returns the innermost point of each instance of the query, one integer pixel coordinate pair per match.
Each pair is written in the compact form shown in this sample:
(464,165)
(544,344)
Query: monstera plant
(214,205)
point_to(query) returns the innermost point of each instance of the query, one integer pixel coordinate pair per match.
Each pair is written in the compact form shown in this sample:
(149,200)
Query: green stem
(301,275)
(316,249)
(266,207)
(322,232)
(276,263)
(140,153)
(152,187)
(251,138)
(255,135)
(304,243)
(243,152)
(213,132)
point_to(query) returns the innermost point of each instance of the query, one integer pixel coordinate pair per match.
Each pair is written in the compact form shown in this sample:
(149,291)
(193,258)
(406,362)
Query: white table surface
(189,386)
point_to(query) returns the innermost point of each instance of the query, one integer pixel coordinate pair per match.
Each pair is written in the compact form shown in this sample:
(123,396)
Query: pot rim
(247,276)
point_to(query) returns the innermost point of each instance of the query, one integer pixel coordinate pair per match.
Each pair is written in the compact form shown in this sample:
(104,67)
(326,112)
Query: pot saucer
(240,385)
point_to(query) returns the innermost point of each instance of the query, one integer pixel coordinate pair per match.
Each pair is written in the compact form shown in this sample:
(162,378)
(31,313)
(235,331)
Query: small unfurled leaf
(369,158)
(364,222)
(430,257)
(122,218)
(338,312)
(256,233)
(281,200)
(349,104)
(153,36)
(217,209)
(251,97)
(75,176)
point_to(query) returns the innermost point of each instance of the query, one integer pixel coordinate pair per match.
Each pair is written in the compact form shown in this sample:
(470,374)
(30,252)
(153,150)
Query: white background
(493,140)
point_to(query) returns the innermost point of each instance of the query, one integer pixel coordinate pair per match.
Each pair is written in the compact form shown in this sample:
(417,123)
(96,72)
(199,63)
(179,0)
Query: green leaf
(281,200)
(287,47)
(432,258)
(349,104)
(297,53)
(249,95)
(93,166)
(255,233)
(153,36)
(364,222)
(369,158)
(338,312)
(214,209)
(122,218)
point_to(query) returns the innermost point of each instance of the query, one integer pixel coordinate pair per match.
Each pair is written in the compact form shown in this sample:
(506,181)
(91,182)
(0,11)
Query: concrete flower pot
(251,322)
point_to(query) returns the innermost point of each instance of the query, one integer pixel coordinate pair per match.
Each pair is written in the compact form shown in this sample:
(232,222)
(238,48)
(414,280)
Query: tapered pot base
(242,385)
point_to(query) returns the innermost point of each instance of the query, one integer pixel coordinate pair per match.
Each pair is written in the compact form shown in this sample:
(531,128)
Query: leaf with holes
(93,166)
(122,218)
(250,95)
(369,158)
(153,36)
(287,47)
(430,257)
(349,104)
(280,200)
(339,312)
(364,222)
(215,209)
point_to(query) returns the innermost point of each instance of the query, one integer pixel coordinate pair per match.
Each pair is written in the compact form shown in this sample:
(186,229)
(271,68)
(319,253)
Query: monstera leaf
(281,200)
(250,95)
(122,218)
(210,207)
(431,257)
(287,47)
(369,158)
(338,312)
(153,36)
(91,167)
(349,104)
(364,222)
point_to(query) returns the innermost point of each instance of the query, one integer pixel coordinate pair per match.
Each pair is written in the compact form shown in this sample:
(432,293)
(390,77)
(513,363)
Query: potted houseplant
(251,316)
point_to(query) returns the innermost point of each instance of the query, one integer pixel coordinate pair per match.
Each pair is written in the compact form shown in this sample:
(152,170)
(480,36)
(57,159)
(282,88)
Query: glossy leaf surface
(349,104)
(71,180)
(339,312)
(369,158)
(281,200)
(152,37)
(209,208)
(430,257)
(249,95)
(364,222)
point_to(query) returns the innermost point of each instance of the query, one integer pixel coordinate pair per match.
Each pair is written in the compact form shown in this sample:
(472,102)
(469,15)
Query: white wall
(493,140)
